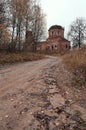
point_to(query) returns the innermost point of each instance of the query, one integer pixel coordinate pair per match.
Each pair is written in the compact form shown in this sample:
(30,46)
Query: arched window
(66,46)
(55,46)
(52,34)
(58,33)
(52,47)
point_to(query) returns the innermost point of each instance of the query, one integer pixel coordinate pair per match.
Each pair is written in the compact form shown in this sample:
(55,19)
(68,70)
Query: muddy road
(38,95)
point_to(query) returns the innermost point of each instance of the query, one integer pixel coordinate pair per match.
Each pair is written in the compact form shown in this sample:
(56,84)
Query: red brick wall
(55,40)
(56,33)
(58,45)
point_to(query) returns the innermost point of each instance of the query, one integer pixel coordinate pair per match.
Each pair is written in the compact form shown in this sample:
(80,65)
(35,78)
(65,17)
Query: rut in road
(38,96)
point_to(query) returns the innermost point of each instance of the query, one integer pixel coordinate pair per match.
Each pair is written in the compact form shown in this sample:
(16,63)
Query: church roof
(56,27)
(59,38)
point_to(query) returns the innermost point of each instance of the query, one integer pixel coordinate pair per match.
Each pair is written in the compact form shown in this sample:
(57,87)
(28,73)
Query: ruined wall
(29,41)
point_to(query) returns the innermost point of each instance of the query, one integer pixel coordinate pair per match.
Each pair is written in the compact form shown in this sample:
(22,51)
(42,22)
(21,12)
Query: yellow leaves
(4,33)
(6,36)
(1,26)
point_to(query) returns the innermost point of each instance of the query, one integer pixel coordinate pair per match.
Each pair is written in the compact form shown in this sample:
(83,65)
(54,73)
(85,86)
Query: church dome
(56,27)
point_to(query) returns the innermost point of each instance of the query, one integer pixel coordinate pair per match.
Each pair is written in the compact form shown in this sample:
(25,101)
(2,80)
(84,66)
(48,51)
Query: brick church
(55,40)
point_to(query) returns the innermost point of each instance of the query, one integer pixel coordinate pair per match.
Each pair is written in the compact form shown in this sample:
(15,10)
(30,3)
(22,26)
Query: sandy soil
(38,95)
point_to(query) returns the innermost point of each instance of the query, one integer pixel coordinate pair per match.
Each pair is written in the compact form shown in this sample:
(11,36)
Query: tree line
(19,16)
(16,18)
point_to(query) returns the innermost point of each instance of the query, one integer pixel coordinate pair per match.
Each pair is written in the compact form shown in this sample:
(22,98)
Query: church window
(66,46)
(55,46)
(52,47)
(52,33)
(58,33)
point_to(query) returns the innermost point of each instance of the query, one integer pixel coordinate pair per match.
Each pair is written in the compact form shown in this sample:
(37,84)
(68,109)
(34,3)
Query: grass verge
(75,61)
(19,57)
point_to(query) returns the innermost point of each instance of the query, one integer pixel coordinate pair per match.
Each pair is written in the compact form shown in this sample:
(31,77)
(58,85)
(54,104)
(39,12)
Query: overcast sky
(63,12)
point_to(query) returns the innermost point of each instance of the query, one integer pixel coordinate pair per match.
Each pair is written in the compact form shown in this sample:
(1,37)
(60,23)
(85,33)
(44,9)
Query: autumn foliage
(5,33)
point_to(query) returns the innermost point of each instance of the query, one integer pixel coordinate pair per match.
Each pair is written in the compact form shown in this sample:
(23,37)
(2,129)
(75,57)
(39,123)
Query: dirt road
(38,95)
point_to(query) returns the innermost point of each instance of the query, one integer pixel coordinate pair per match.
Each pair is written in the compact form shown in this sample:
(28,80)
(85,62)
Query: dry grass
(76,63)
(19,57)
(75,58)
